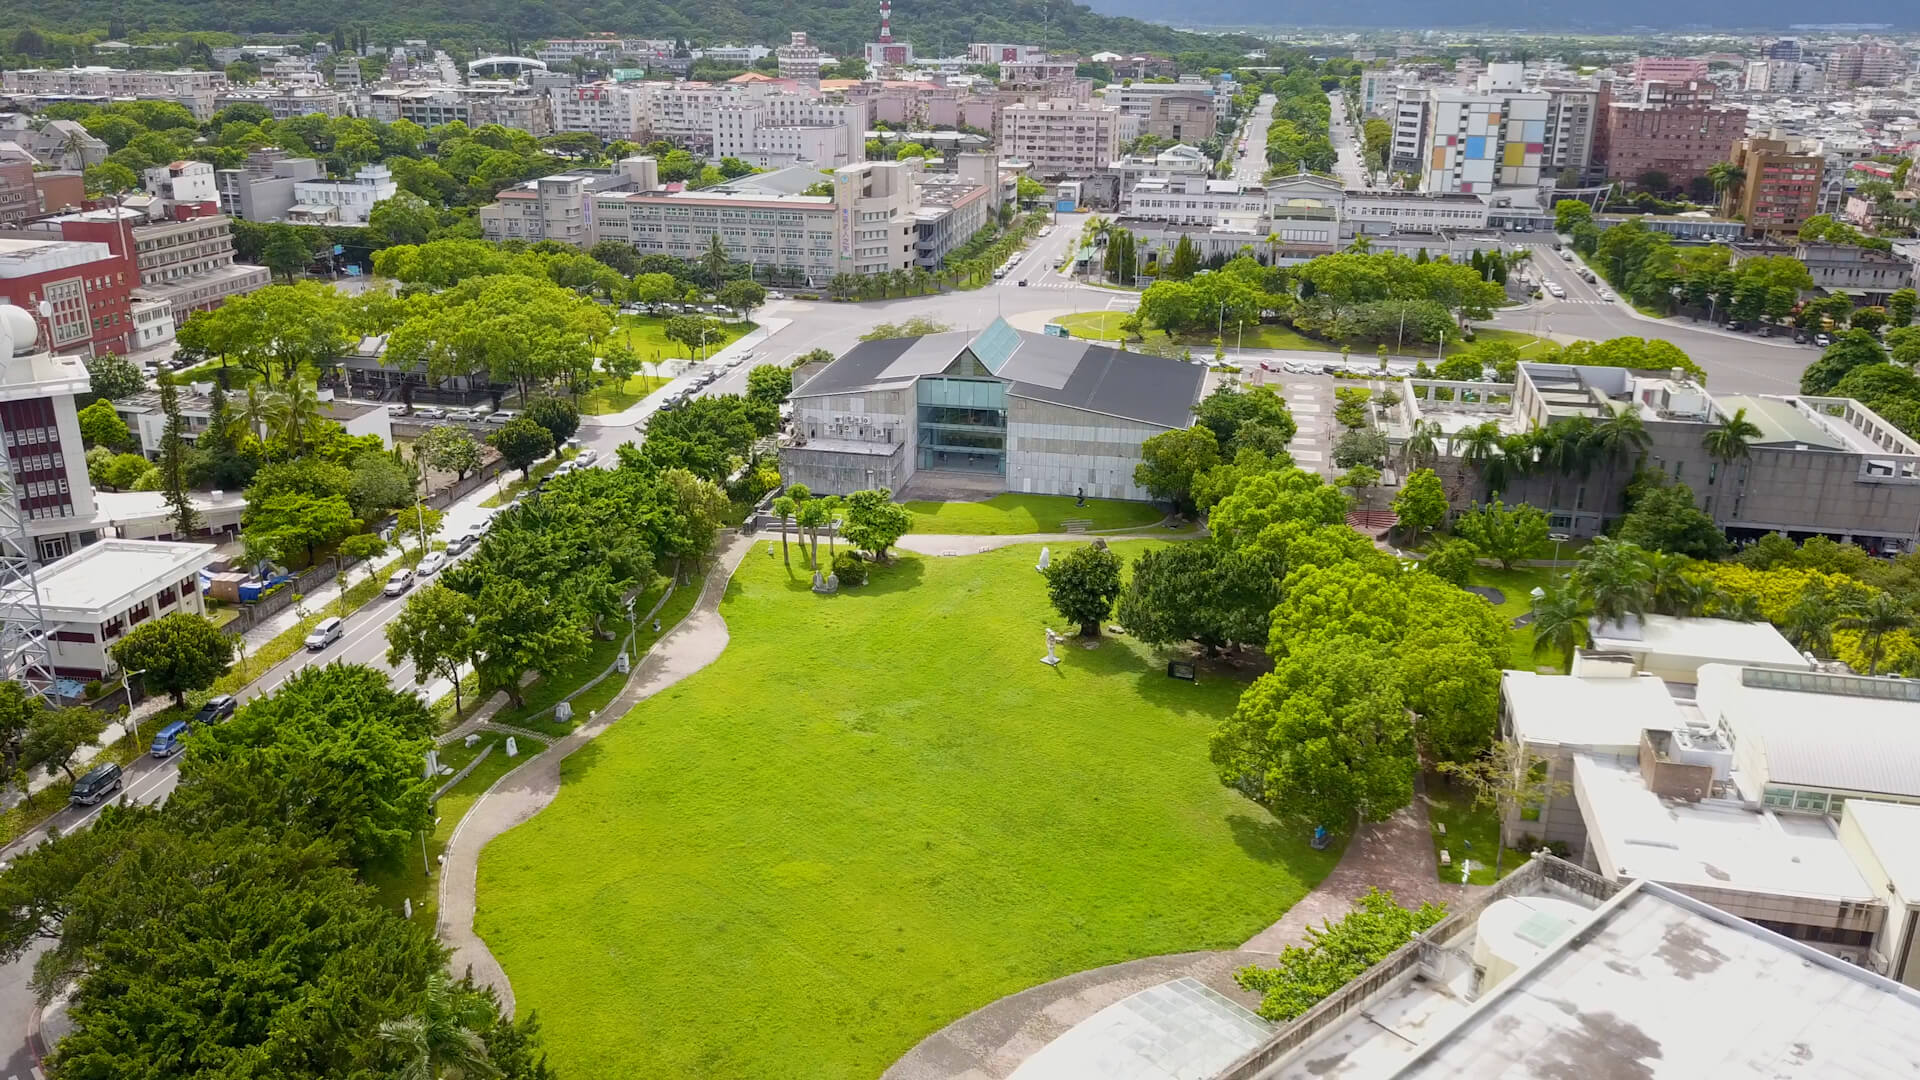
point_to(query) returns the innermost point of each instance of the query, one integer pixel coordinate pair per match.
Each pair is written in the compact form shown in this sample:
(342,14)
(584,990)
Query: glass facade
(962,424)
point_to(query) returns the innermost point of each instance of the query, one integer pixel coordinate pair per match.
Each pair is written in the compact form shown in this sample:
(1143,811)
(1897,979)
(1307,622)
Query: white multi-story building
(777,130)
(342,202)
(1411,211)
(1191,200)
(1174,163)
(799,58)
(1061,138)
(182,182)
(732,54)
(984,52)
(562,206)
(1784,77)
(193,89)
(609,110)
(1476,142)
(286,102)
(564,49)
(1138,98)
(474,105)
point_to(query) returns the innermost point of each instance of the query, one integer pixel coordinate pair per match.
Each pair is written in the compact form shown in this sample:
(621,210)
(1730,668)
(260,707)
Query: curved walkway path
(692,644)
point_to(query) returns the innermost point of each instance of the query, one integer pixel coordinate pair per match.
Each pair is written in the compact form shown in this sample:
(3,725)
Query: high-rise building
(1781,188)
(1867,63)
(1674,129)
(1783,49)
(1784,77)
(1669,69)
(799,58)
(1061,138)
(44,453)
(1476,142)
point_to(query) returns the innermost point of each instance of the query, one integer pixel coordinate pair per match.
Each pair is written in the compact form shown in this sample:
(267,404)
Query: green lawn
(1005,515)
(1518,585)
(646,335)
(873,814)
(405,878)
(1105,326)
(612,399)
(1472,833)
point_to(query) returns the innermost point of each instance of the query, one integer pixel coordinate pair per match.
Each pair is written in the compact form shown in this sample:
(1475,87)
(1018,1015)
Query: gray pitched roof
(1064,371)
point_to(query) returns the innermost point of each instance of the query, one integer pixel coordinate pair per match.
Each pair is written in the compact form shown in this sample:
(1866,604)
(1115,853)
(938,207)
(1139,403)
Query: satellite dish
(46,309)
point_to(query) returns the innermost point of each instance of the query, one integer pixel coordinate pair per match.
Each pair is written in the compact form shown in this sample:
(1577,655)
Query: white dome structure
(18,331)
(1515,930)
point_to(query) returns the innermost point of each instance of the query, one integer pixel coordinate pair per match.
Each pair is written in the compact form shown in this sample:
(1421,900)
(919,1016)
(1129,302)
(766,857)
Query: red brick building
(1781,189)
(87,284)
(1674,129)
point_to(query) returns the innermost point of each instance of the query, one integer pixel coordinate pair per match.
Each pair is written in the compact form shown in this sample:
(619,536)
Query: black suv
(103,781)
(215,710)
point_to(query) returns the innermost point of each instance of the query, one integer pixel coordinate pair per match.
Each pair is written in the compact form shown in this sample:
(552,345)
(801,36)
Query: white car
(325,633)
(1606,295)
(396,410)
(587,457)
(502,416)
(433,563)
(400,582)
(430,413)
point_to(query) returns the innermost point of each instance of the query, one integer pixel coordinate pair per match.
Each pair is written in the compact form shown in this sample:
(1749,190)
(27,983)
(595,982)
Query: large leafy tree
(874,522)
(1201,592)
(1325,738)
(1083,585)
(448,449)
(523,628)
(1422,503)
(559,416)
(1228,408)
(344,751)
(434,633)
(101,426)
(770,383)
(1666,519)
(176,653)
(281,527)
(115,377)
(1615,579)
(521,442)
(1508,534)
(1172,460)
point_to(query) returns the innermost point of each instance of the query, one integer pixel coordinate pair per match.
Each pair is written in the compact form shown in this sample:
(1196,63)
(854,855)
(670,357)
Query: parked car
(433,563)
(399,582)
(326,633)
(466,539)
(216,709)
(170,739)
(775,295)
(101,782)
(464,416)
(430,412)
(1822,340)
(587,457)
(502,416)
(564,468)
(396,410)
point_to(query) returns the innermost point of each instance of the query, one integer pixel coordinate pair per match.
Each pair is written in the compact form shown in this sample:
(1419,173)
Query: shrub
(850,568)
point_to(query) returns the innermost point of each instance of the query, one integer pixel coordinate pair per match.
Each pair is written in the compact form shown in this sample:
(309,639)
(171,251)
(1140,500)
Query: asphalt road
(1250,162)
(1346,144)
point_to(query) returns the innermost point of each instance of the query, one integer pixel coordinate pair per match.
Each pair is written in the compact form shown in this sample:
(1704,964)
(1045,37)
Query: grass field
(1006,515)
(405,878)
(612,399)
(1518,585)
(1472,833)
(646,335)
(874,813)
(1105,326)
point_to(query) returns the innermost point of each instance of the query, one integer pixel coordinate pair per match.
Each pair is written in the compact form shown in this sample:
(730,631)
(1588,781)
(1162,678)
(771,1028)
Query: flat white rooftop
(1178,1030)
(1842,732)
(1704,640)
(1714,843)
(104,579)
(1893,831)
(112,508)
(1575,710)
(1662,987)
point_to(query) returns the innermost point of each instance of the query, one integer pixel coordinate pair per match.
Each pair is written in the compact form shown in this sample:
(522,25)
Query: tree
(55,736)
(434,633)
(1360,480)
(281,527)
(1361,446)
(521,442)
(1881,614)
(715,260)
(1508,534)
(770,383)
(1325,737)
(101,426)
(1615,578)
(875,522)
(1172,460)
(380,483)
(558,415)
(1083,585)
(286,252)
(1666,519)
(1184,261)
(173,464)
(1452,561)
(1900,307)
(521,629)
(1200,592)
(1336,954)
(403,219)
(1508,777)
(175,653)
(1728,441)
(1225,411)
(742,296)
(1853,349)
(109,178)
(1559,622)
(1421,504)
(115,377)
(443,1038)
(448,449)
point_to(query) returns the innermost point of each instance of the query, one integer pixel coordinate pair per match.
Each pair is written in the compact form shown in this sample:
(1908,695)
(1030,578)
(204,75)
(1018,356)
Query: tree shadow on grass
(1265,839)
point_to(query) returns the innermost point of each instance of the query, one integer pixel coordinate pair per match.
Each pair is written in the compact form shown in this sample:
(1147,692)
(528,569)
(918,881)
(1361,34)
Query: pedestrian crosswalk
(1583,300)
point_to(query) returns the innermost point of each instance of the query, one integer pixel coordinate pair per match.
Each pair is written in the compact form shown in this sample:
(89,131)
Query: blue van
(170,739)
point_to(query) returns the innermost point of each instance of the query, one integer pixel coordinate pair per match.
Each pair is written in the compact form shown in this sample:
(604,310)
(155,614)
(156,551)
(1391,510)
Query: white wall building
(182,182)
(1061,138)
(94,596)
(608,110)
(777,130)
(343,202)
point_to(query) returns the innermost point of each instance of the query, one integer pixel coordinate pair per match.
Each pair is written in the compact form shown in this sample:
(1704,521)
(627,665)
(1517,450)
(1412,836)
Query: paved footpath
(691,645)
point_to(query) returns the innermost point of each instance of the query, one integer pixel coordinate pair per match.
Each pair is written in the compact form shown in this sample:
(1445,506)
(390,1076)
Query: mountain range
(1510,14)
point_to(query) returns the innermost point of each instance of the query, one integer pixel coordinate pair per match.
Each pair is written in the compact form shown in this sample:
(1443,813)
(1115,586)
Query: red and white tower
(886,52)
(886,22)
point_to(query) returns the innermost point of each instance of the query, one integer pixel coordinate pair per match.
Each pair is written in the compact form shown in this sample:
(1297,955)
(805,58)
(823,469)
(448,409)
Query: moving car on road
(170,740)
(103,781)
(400,582)
(216,709)
(326,633)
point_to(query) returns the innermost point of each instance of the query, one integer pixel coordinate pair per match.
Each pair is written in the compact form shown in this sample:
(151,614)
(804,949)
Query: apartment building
(1676,129)
(1174,163)
(474,105)
(181,182)
(1679,69)
(1781,189)
(981,52)
(286,101)
(917,104)
(562,206)
(1868,63)
(1784,77)
(1476,142)
(608,110)
(1059,138)
(1820,466)
(799,58)
(1039,70)
(265,188)
(194,89)
(1576,120)
(186,262)
(774,130)
(322,201)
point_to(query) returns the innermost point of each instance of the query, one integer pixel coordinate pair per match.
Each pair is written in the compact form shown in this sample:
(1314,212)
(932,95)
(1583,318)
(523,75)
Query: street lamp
(1558,539)
(132,724)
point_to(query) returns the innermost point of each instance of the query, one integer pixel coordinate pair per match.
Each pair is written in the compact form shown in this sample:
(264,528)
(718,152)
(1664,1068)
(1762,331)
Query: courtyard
(873,814)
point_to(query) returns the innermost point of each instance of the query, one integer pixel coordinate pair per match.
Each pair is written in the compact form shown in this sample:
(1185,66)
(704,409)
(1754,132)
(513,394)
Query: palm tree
(1480,444)
(441,1039)
(784,506)
(1674,593)
(1730,440)
(256,409)
(1809,622)
(1423,443)
(1273,247)
(294,413)
(1725,176)
(1361,245)
(1881,615)
(1616,579)
(1559,623)
(1622,435)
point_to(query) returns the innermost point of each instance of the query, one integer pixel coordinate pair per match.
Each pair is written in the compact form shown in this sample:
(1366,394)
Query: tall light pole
(132,724)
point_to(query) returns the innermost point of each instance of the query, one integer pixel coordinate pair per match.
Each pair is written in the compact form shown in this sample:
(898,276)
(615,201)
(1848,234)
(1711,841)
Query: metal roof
(1821,736)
